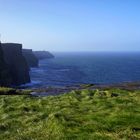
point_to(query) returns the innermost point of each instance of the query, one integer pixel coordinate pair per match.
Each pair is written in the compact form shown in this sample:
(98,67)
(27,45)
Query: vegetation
(12,91)
(80,115)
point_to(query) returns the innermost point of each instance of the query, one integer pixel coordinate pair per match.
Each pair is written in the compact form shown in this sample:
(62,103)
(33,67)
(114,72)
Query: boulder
(31,59)
(17,65)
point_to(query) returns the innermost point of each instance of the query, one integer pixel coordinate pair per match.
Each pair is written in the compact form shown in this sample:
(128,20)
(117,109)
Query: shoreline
(56,90)
(53,91)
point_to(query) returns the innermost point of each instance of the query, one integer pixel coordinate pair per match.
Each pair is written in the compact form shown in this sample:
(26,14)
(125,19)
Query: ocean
(68,69)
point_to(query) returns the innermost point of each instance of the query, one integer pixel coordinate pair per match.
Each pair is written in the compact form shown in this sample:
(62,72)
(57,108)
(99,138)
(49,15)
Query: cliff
(5,79)
(17,65)
(43,54)
(30,57)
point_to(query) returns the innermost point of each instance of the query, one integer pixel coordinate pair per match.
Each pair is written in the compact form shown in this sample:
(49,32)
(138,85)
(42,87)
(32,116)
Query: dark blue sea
(68,69)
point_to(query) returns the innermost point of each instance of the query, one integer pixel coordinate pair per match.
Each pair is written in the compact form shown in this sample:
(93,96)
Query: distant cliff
(43,54)
(17,65)
(30,57)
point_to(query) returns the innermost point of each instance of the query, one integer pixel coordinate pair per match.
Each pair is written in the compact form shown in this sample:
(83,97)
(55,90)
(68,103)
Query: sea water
(68,69)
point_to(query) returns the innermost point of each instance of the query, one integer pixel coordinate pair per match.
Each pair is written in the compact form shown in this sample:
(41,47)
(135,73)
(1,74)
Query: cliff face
(5,79)
(30,57)
(43,54)
(17,65)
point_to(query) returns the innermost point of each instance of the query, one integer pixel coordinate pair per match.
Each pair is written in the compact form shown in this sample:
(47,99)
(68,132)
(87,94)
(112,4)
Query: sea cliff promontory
(16,63)
(31,59)
(43,55)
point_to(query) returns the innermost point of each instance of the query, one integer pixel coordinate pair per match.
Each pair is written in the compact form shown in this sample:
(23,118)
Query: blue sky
(72,25)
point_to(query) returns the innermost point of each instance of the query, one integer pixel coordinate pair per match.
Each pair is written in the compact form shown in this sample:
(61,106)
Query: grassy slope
(86,115)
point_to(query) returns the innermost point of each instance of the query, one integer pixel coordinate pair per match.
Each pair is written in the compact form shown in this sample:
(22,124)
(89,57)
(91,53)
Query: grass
(12,91)
(79,115)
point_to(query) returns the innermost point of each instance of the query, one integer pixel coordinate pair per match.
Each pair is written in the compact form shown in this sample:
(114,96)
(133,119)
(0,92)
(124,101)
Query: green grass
(79,115)
(12,91)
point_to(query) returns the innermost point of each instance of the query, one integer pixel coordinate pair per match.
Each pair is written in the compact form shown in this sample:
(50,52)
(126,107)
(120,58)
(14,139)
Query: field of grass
(79,115)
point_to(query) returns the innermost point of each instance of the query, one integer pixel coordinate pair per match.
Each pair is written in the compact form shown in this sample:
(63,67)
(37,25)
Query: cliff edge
(5,79)
(31,59)
(17,65)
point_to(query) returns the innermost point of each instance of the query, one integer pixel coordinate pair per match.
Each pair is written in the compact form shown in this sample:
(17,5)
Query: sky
(72,25)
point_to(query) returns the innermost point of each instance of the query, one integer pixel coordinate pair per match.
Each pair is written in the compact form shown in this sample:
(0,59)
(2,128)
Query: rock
(17,65)
(31,59)
(114,95)
(43,54)
(5,79)
(136,129)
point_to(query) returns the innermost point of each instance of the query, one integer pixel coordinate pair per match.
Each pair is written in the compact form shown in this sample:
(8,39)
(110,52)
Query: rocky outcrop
(31,59)
(16,63)
(43,54)
(5,79)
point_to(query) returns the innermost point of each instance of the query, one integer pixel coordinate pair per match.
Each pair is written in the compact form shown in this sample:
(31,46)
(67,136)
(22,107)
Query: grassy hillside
(80,115)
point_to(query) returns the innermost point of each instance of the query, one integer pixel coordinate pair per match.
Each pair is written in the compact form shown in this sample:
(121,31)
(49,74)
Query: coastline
(53,91)
(59,90)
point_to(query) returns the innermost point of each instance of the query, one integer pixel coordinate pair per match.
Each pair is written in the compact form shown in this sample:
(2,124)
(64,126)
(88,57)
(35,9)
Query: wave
(63,70)
(31,84)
